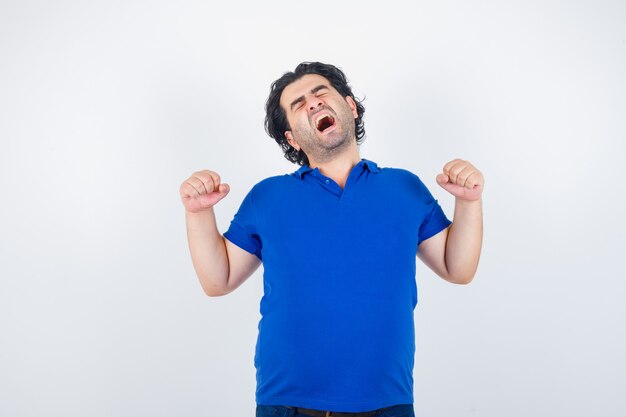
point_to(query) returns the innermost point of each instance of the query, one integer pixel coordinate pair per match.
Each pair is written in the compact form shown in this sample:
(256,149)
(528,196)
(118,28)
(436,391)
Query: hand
(202,191)
(462,180)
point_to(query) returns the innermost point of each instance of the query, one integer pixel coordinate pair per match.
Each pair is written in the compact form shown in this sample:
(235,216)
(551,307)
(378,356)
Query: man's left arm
(454,252)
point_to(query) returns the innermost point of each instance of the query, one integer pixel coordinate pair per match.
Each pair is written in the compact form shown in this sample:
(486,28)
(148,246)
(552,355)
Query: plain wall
(106,107)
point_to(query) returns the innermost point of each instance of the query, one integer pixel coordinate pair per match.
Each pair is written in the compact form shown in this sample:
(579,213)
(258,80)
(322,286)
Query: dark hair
(276,121)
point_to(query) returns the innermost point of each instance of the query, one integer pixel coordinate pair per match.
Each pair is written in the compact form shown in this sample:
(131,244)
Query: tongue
(326,123)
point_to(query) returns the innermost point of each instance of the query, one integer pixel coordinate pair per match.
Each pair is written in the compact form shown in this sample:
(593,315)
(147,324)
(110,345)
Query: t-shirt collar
(370,165)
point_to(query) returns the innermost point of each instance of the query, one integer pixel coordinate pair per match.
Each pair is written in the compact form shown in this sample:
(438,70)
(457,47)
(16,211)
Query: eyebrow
(313,91)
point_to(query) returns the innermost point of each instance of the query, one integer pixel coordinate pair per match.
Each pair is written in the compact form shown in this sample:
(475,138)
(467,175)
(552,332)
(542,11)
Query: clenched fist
(462,180)
(202,191)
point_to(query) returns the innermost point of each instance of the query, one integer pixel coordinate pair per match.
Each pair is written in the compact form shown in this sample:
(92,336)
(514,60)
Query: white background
(106,107)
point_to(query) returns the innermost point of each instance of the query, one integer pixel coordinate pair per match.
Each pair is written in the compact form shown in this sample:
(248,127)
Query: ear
(291,140)
(352,105)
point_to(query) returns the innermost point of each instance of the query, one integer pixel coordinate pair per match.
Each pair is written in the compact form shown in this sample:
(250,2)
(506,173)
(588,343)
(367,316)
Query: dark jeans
(403,410)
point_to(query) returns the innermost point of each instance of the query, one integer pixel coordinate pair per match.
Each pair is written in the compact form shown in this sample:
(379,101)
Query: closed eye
(321,93)
(299,102)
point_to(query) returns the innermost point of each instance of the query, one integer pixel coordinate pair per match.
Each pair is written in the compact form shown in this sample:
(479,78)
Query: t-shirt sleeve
(243,229)
(434,219)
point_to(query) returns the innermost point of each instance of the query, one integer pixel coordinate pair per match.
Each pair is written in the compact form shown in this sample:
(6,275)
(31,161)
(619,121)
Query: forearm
(464,241)
(208,251)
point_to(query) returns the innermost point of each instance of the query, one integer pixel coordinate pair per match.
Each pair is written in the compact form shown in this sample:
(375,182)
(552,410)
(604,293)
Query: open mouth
(324,122)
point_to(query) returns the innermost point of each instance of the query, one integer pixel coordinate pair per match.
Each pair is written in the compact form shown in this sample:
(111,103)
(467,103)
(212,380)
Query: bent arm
(453,253)
(220,266)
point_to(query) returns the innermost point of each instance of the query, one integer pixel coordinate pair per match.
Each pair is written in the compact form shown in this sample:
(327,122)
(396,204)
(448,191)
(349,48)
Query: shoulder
(400,174)
(271,189)
(273,183)
(404,182)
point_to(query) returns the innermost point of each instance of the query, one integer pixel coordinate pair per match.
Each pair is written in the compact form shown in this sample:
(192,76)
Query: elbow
(461,279)
(462,275)
(464,280)
(215,291)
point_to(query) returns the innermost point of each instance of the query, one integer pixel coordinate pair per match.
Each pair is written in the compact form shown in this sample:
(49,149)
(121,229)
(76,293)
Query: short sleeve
(243,230)
(434,219)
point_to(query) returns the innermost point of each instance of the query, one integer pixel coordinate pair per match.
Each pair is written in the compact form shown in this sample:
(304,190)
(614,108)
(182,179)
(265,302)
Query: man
(338,240)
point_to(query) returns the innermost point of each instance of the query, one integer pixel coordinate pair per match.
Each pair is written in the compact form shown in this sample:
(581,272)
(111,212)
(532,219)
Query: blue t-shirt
(336,329)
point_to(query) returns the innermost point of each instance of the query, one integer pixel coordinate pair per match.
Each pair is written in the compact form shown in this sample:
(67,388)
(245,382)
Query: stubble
(325,148)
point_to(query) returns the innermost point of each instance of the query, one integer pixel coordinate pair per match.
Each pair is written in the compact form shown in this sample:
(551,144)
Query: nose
(314,102)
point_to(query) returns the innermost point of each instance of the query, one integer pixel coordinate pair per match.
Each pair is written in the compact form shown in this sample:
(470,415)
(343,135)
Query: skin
(336,153)
(306,99)
(221,266)
(453,253)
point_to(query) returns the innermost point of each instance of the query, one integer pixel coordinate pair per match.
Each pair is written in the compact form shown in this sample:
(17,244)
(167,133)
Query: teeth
(317,121)
(320,118)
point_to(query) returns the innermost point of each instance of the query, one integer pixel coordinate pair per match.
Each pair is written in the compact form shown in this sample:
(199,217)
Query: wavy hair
(276,120)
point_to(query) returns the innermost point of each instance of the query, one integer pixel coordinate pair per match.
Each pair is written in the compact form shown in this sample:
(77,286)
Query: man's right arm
(220,265)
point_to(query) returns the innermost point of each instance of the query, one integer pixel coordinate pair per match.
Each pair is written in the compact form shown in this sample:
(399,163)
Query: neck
(339,167)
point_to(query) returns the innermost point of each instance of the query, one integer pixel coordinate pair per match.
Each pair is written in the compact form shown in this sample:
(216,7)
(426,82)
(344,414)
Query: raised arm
(453,253)
(220,265)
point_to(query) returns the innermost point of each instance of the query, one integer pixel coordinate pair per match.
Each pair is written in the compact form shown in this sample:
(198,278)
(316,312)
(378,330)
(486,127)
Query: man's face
(321,120)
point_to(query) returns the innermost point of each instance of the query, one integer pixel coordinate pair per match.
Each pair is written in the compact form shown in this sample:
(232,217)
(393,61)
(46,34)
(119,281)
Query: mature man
(338,239)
